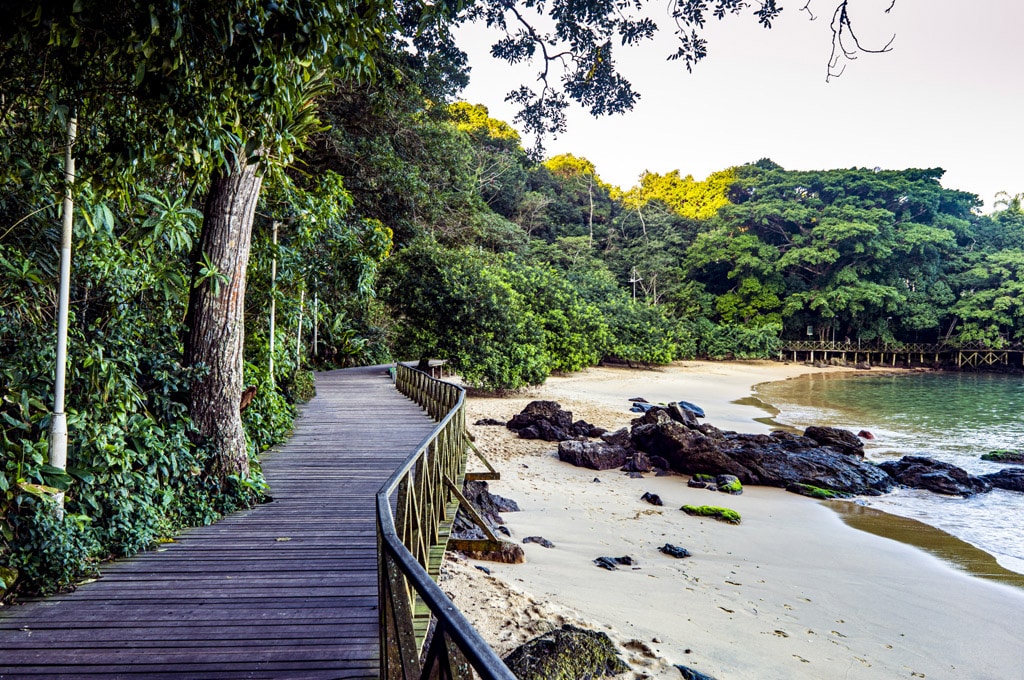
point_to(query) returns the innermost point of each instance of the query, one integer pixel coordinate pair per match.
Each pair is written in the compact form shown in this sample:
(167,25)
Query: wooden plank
(232,600)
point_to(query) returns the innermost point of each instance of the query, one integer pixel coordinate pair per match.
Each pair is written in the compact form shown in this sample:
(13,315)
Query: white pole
(59,420)
(273,303)
(316,320)
(298,333)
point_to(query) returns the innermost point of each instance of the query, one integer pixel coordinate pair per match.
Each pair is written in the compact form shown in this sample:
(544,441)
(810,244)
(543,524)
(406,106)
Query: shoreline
(793,592)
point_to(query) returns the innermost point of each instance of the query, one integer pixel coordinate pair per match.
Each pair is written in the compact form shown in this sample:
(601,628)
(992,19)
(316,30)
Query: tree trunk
(216,317)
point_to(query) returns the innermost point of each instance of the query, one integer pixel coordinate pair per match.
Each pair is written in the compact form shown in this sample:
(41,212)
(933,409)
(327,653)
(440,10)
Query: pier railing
(422,633)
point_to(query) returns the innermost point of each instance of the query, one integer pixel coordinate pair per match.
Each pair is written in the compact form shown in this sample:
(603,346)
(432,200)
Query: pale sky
(948,95)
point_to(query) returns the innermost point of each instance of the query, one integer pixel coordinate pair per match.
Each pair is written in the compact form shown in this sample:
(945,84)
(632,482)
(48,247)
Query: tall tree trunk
(216,316)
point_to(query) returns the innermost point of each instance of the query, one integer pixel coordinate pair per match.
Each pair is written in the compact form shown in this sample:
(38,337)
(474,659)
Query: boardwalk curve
(284,590)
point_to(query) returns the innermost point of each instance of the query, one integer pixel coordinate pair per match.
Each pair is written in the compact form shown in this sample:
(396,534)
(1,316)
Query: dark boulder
(920,472)
(865,434)
(545,420)
(593,455)
(568,653)
(638,461)
(490,421)
(674,551)
(691,674)
(843,441)
(1010,479)
(488,505)
(778,459)
(1004,456)
(652,498)
(582,428)
(613,563)
(619,437)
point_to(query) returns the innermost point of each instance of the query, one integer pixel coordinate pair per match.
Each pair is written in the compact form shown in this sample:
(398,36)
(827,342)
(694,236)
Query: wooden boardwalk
(285,590)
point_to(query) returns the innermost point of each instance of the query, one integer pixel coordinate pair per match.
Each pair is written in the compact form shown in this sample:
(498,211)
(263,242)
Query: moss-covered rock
(1004,456)
(729,484)
(812,491)
(712,511)
(568,653)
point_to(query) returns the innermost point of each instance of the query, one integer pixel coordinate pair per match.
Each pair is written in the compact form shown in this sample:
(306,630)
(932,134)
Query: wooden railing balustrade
(422,633)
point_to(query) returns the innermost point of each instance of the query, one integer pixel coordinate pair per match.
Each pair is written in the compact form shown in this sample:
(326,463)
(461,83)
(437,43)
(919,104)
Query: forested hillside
(387,221)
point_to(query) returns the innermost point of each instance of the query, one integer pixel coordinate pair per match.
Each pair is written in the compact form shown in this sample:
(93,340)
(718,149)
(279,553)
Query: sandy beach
(791,593)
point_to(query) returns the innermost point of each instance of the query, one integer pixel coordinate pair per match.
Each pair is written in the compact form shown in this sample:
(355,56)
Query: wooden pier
(905,355)
(288,589)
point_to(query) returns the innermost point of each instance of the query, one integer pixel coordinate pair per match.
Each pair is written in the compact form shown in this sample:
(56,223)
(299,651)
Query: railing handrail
(433,395)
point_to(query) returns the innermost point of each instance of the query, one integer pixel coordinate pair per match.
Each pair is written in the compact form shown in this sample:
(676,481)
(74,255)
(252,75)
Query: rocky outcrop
(568,653)
(920,472)
(547,420)
(1010,479)
(1004,456)
(843,441)
(593,455)
(778,459)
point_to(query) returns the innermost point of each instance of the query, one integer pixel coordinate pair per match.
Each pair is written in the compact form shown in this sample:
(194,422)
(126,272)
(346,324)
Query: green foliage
(52,552)
(733,341)
(714,512)
(456,304)
(302,387)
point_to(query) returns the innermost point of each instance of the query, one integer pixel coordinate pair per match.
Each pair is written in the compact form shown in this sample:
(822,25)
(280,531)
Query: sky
(949,94)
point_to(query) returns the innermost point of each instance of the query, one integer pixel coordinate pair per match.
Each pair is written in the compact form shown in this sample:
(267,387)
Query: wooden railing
(422,634)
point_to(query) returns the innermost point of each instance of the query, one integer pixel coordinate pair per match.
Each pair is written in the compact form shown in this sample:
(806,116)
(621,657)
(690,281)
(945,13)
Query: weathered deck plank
(288,589)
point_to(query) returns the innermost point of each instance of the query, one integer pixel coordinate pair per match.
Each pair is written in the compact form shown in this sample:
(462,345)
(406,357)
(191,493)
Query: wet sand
(792,592)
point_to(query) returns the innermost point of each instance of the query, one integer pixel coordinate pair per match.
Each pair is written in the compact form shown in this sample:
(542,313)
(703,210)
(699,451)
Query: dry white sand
(791,593)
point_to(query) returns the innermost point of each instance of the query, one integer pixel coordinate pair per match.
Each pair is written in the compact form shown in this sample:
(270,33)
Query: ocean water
(953,417)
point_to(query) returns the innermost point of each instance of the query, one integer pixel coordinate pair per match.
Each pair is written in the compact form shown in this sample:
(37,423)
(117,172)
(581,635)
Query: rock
(1004,456)
(729,484)
(488,505)
(639,400)
(634,475)
(863,366)
(612,563)
(659,463)
(864,434)
(539,540)
(714,512)
(1010,479)
(682,415)
(690,674)
(582,428)
(842,440)
(778,459)
(568,653)
(815,491)
(618,438)
(920,472)
(596,480)
(483,569)
(593,455)
(674,551)
(507,553)
(652,498)
(545,420)
(638,462)
(490,421)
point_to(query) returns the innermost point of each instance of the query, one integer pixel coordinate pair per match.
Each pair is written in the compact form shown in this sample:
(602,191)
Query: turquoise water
(953,417)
